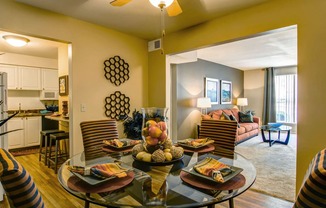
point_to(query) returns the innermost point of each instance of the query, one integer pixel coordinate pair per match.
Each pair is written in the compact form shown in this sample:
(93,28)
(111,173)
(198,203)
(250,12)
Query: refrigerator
(3,115)
(3,108)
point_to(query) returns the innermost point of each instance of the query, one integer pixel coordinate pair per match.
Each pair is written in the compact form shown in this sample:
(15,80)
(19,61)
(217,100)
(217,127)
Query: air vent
(154,45)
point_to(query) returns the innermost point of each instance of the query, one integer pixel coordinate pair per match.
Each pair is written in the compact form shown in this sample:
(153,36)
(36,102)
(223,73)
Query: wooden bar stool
(44,136)
(57,155)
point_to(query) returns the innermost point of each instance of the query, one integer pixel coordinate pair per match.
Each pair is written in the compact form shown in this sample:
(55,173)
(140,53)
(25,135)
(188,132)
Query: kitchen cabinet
(22,78)
(12,75)
(29,136)
(50,79)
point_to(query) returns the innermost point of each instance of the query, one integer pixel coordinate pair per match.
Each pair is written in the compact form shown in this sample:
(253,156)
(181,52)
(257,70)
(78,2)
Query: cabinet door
(33,126)
(30,78)
(12,76)
(16,139)
(50,79)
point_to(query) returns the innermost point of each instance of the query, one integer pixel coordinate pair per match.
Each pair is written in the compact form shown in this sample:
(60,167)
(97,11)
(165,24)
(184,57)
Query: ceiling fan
(172,6)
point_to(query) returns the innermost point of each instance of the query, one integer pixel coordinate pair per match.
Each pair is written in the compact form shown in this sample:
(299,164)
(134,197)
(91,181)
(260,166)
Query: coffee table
(279,129)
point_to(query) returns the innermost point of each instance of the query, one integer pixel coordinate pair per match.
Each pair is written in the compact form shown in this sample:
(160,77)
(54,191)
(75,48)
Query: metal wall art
(117,105)
(116,70)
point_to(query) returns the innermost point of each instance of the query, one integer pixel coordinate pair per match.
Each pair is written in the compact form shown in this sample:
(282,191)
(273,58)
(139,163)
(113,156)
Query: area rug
(275,166)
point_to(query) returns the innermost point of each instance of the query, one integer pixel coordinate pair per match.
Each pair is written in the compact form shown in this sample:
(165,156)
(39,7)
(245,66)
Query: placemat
(234,183)
(79,185)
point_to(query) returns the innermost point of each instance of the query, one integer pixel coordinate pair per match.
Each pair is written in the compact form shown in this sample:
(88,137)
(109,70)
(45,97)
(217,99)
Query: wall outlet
(83,107)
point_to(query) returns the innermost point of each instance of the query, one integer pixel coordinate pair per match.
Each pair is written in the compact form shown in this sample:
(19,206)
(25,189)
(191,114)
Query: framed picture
(63,85)
(226,92)
(212,89)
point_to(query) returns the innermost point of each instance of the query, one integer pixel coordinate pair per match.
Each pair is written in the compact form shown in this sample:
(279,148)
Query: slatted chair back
(94,132)
(223,132)
(19,186)
(313,190)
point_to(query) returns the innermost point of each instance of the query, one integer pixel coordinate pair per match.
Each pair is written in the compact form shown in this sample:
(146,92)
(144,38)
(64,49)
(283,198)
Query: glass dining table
(178,187)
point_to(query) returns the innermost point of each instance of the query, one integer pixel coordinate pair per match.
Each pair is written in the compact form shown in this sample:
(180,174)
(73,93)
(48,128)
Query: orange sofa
(245,130)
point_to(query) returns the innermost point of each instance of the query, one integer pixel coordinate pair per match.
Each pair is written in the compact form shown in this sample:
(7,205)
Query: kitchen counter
(57,118)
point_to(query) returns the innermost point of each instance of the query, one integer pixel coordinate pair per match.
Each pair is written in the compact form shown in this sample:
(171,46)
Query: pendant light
(16,41)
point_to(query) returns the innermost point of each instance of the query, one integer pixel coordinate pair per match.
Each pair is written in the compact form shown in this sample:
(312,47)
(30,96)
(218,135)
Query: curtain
(269,107)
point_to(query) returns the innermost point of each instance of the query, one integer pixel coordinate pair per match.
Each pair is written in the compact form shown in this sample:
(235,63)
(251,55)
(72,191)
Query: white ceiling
(141,19)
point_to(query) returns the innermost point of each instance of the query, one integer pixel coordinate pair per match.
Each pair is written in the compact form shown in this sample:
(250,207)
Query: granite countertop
(25,113)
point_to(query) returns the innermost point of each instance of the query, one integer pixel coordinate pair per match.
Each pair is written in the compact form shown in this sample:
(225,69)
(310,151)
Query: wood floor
(55,196)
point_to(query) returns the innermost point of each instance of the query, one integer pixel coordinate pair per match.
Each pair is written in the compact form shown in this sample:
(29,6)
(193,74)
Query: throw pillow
(203,116)
(234,119)
(224,116)
(245,117)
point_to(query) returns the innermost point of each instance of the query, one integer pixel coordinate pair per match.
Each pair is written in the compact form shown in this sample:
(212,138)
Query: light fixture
(203,104)
(242,102)
(161,3)
(16,41)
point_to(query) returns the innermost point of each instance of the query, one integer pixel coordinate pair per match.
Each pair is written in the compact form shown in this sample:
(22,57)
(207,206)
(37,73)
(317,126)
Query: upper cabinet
(30,78)
(12,76)
(50,79)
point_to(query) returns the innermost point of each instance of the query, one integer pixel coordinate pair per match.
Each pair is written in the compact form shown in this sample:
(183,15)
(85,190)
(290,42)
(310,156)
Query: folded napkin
(213,168)
(101,171)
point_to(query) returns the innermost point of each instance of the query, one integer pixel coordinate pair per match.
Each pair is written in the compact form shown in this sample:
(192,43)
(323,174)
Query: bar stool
(44,136)
(54,159)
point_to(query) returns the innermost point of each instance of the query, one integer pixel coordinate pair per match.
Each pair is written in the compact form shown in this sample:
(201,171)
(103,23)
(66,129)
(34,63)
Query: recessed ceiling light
(16,41)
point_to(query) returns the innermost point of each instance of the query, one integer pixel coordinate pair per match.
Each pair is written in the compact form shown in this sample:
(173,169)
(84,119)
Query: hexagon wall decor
(116,70)
(117,105)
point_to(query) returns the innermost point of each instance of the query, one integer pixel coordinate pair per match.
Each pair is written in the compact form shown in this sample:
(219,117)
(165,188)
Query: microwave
(49,95)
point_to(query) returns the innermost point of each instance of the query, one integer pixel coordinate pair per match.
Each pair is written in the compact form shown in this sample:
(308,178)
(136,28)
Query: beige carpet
(276,166)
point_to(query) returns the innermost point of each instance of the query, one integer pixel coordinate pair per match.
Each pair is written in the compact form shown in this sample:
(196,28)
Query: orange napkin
(210,167)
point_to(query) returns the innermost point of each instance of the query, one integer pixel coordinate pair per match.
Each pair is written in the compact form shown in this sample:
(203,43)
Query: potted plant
(133,125)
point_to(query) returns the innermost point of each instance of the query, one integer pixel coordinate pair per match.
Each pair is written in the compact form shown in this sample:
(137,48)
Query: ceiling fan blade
(174,9)
(119,2)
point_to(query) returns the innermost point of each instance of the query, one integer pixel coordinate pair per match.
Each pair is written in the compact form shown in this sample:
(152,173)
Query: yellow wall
(308,16)
(91,46)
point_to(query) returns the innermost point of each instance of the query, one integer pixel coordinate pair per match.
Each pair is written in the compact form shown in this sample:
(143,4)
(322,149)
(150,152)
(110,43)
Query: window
(286,98)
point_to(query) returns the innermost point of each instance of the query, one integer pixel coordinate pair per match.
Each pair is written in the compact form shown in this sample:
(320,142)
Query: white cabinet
(29,79)
(29,136)
(12,72)
(50,79)
(22,78)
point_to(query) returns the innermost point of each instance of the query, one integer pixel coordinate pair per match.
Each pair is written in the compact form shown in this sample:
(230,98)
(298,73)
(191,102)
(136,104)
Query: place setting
(200,145)
(212,174)
(100,177)
(123,145)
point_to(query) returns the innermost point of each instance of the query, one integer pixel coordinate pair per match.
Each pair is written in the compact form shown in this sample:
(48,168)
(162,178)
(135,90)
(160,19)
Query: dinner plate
(158,163)
(192,171)
(128,145)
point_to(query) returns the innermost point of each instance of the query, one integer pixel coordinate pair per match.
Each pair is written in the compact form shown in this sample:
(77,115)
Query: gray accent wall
(190,85)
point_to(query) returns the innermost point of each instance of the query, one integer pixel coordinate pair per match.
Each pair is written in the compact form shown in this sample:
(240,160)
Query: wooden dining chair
(93,134)
(223,132)
(18,185)
(313,190)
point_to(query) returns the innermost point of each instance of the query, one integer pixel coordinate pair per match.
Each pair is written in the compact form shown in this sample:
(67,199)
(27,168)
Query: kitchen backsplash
(27,100)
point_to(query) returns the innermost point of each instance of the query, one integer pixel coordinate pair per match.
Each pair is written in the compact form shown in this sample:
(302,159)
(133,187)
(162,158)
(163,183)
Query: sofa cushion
(241,130)
(247,126)
(245,117)
(216,114)
(224,116)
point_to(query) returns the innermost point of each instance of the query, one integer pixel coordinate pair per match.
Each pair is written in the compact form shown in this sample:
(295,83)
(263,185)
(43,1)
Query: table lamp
(242,102)
(203,104)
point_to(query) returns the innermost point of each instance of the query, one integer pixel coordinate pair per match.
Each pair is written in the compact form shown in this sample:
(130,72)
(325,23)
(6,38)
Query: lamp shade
(204,103)
(16,41)
(161,3)
(242,101)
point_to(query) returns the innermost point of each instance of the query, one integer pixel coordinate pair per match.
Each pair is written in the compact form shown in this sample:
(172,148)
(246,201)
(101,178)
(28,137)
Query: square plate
(235,172)
(183,144)
(92,180)
(126,140)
